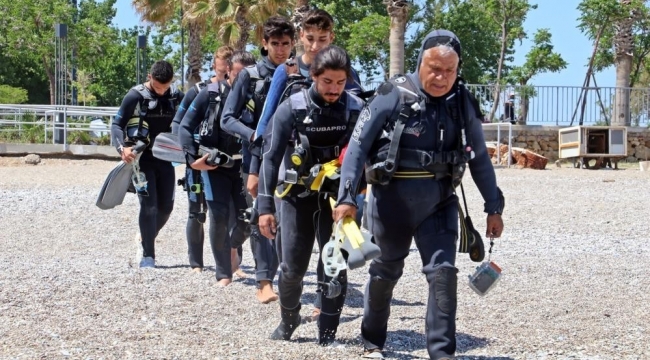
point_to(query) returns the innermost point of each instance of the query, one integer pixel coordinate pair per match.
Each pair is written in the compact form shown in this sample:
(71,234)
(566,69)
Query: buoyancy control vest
(387,156)
(319,148)
(138,126)
(208,134)
(258,89)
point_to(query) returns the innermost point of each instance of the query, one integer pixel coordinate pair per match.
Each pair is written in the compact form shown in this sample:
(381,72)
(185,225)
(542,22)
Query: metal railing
(558,105)
(563,105)
(53,118)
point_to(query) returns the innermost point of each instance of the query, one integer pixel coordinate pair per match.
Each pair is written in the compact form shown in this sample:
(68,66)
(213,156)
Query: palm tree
(623,57)
(398,12)
(161,11)
(235,19)
(299,12)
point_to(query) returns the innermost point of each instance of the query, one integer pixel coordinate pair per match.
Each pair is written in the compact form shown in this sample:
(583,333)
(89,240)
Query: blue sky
(560,16)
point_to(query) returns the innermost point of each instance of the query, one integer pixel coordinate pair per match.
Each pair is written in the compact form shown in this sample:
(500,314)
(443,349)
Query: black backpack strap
(464,102)
(143,105)
(293,82)
(300,107)
(200,85)
(411,103)
(173,99)
(215,90)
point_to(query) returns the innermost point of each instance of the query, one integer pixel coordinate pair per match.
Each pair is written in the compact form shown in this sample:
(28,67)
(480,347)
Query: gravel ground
(574,285)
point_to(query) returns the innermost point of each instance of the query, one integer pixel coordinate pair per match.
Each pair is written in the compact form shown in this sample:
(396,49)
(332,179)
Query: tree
(625,43)
(478,35)
(368,44)
(30,34)
(299,12)
(539,59)
(82,84)
(160,12)
(510,15)
(235,19)
(12,95)
(362,28)
(398,13)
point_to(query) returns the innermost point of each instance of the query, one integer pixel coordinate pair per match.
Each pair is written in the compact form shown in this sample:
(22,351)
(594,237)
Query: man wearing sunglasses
(146,111)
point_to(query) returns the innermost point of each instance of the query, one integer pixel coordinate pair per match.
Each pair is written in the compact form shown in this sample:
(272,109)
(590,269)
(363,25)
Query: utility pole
(73,58)
(182,51)
(141,59)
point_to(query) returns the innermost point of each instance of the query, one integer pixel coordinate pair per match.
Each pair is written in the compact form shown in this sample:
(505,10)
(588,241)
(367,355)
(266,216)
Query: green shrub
(79,138)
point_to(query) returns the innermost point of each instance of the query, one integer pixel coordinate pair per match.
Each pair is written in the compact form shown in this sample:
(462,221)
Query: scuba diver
(415,139)
(146,111)
(322,119)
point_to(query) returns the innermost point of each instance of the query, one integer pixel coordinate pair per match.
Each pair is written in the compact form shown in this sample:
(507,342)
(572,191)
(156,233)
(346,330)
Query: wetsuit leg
(436,239)
(240,231)
(217,193)
(328,320)
(392,214)
(297,229)
(264,250)
(194,228)
(298,234)
(156,207)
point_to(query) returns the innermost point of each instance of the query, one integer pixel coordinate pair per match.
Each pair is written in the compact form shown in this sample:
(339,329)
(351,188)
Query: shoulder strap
(214,106)
(260,81)
(300,106)
(410,102)
(464,102)
(143,105)
(146,97)
(200,85)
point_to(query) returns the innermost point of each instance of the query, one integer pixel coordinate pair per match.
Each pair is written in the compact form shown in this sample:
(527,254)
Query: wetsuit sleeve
(278,83)
(124,114)
(234,106)
(254,167)
(368,129)
(282,127)
(482,169)
(256,161)
(192,119)
(182,108)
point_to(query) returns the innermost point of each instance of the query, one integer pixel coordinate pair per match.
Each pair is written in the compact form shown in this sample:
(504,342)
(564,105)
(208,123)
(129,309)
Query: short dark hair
(242,57)
(317,19)
(331,58)
(278,26)
(162,71)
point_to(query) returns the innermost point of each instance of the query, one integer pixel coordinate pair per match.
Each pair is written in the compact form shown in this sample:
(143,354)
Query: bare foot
(234,260)
(265,293)
(197,270)
(224,282)
(314,315)
(240,273)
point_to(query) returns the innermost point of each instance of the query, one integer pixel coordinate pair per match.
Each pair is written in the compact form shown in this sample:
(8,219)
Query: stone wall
(544,140)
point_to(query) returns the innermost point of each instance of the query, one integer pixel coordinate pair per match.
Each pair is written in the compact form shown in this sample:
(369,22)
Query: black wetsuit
(240,116)
(304,218)
(194,229)
(423,208)
(155,208)
(222,185)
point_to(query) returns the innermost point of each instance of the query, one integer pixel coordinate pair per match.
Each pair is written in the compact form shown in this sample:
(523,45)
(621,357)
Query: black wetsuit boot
(290,321)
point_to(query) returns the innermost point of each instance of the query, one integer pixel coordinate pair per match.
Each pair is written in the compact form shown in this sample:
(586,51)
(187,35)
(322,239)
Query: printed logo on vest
(416,129)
